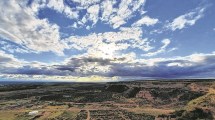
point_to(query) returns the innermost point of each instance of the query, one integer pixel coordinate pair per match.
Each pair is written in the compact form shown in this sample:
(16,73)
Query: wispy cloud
(21,26)
(12,48)
(187,19)
(9,61)
(39,35)
(165,42)
(120,47)
(115,16)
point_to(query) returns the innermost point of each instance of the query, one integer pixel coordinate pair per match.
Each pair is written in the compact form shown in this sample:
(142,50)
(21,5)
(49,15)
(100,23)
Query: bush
(117,88)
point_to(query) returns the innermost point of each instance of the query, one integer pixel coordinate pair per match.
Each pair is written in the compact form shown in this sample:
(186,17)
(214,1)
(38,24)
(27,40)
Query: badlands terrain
(134,100)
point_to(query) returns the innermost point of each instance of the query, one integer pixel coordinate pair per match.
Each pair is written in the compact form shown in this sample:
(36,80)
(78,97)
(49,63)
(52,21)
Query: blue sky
(106,40)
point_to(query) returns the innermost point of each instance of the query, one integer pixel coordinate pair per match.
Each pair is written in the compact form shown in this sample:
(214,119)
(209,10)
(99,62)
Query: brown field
(136,100)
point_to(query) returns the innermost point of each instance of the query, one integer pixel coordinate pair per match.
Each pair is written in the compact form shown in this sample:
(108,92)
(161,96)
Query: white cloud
(20,25)
(60,6)
(6,46)
(187,19)
(125,10)
(94,9)
(146,20)
(137,4)
(165,42)
(175,64)
(117,21)
(93,13)
(114,16)
(8,61)
(107,9)
(101,54)
(86,3)
(197,57)
(107,44)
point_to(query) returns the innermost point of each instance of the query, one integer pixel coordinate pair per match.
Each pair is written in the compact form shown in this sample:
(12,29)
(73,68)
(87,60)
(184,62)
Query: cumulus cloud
(111,55)
(110,13)
(187,19)
(146,20)
(86,3)
(107,9)
(39,35)
(107,44)
(124,12)
(93,13)
(59,6)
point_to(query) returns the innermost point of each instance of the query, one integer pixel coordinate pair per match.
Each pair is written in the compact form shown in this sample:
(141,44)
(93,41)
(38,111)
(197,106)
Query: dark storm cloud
(28,70)
(85,60)
(162,70)
(65,68)
(70,68)
(182,67)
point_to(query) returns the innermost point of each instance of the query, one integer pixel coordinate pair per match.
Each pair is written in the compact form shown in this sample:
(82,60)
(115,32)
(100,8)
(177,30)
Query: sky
(106,40)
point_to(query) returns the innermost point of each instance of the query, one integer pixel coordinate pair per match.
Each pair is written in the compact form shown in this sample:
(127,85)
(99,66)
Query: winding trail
(88,115)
